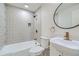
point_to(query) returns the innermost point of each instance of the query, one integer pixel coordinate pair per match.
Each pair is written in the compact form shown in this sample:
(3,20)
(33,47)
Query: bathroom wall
(47,11)
(46,19)
(2,24)
(18,25)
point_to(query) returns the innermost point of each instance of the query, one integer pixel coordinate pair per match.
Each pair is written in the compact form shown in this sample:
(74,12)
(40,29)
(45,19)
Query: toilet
(38,50)
(44,42)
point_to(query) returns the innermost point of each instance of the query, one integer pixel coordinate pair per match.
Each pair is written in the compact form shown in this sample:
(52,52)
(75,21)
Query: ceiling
(32,6)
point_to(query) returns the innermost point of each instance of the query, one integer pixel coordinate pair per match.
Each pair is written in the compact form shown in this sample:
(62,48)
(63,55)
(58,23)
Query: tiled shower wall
(19,25)
(2,25)
(37,26)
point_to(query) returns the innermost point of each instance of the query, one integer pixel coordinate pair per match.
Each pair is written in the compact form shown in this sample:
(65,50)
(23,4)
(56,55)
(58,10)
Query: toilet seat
(37,50)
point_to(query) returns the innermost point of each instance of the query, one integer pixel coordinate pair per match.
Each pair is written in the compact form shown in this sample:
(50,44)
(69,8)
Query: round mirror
(66,15)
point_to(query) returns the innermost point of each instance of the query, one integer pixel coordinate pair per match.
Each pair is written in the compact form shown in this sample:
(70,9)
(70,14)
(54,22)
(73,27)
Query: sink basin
(66,46)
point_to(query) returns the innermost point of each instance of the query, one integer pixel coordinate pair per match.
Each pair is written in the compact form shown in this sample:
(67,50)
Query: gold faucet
(66,36)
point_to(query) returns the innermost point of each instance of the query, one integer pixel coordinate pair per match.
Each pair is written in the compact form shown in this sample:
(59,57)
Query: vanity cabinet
(59,46)
(54,51)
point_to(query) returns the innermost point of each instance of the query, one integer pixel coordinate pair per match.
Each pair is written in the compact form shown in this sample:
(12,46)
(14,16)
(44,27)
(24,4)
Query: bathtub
(18,49)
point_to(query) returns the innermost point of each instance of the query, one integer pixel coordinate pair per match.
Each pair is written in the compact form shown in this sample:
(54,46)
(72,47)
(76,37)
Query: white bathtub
(18,49)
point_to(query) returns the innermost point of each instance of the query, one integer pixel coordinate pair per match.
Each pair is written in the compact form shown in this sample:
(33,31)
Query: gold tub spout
(66,36)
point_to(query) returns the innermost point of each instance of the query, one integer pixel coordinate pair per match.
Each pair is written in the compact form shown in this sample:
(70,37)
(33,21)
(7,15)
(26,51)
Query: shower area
(19,30)
(19,25)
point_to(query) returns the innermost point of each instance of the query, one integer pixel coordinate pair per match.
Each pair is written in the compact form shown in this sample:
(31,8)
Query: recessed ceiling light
(26,6)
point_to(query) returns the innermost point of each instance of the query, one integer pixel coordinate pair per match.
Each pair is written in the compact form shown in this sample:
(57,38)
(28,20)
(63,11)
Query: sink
(68,47)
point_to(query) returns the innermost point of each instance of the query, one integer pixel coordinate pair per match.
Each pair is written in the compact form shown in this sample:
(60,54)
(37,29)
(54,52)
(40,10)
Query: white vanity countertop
(65,43)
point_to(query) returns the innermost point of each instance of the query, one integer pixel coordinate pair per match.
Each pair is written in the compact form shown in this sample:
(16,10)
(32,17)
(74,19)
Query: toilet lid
(36,49)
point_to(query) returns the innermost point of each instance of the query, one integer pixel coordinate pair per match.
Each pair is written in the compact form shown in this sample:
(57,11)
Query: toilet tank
(44,41)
